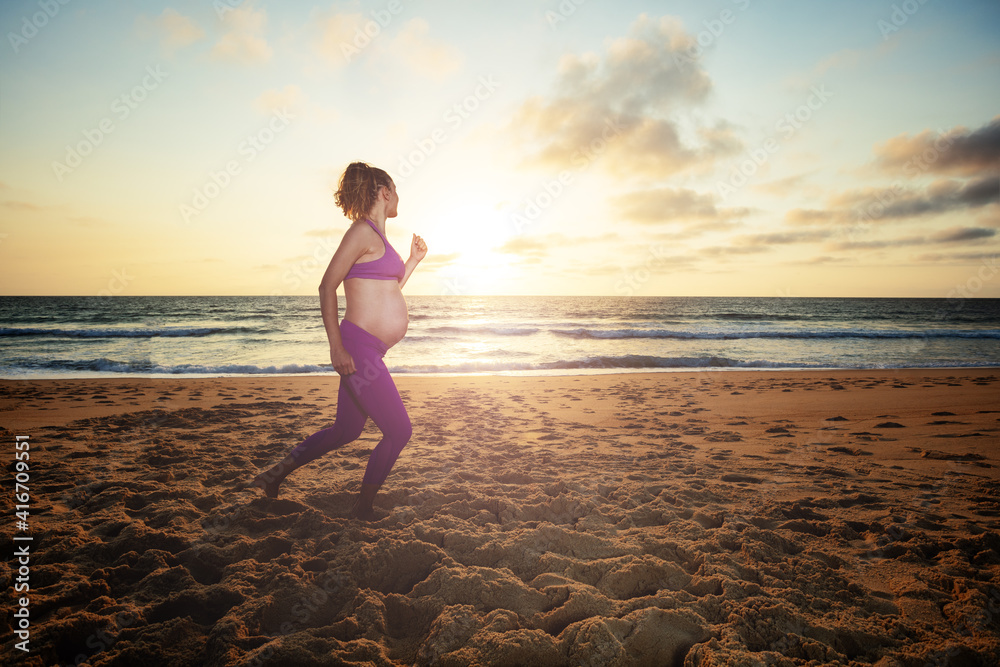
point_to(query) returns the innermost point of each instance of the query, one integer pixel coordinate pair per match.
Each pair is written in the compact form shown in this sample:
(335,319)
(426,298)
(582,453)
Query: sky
(540,147)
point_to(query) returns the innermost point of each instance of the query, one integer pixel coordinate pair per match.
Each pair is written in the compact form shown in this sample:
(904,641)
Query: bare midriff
(378,307)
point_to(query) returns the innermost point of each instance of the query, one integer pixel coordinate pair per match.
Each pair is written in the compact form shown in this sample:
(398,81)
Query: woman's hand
(418,249)
(342,360)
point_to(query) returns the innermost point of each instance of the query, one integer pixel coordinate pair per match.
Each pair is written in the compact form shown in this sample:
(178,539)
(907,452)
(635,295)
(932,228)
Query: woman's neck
(375,221)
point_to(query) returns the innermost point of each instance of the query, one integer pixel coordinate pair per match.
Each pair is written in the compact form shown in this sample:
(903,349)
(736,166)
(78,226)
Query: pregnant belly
(378,307)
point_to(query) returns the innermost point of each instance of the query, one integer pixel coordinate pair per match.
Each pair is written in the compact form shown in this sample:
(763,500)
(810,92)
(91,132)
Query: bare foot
(363,514)
(266,482)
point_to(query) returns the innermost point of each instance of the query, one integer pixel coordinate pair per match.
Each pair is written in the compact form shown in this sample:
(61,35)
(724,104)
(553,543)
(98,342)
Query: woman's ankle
(363,507)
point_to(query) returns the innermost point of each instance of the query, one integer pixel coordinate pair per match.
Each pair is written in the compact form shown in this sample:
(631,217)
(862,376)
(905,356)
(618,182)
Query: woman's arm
(351,248)
(418,250)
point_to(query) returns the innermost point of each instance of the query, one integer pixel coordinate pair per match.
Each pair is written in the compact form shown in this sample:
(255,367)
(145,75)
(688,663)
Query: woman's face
(390,207)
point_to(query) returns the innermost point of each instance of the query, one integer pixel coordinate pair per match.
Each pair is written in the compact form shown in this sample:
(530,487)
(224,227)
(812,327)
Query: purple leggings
(368,392)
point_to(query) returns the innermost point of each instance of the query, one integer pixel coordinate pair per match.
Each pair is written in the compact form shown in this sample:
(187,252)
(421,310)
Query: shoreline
(562,372)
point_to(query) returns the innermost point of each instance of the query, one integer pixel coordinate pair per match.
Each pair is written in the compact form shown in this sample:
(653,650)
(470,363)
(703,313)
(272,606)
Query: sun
(474,232)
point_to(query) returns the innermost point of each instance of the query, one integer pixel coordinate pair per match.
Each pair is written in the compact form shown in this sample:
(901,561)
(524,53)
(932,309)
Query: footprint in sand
(741,478)
(848,450)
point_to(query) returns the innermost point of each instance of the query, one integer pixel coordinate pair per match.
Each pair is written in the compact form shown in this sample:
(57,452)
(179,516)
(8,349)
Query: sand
(704,518)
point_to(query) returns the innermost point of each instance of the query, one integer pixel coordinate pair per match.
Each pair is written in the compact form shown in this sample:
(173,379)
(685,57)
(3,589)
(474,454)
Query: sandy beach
(690,518)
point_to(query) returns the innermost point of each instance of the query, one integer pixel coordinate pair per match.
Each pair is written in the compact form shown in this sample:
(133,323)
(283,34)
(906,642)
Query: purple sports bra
(387,267)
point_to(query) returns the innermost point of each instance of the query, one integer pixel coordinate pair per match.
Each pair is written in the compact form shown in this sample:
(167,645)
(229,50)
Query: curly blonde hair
(358,189)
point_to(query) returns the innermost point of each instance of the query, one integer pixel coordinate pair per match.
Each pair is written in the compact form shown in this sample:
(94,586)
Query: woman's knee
(344,433)
(400,431)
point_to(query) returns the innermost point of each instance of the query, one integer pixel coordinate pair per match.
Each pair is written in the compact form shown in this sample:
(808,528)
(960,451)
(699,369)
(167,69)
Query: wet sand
(704,518)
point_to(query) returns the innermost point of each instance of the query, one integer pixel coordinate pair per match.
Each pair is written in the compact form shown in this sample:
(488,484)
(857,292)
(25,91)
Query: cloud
(618,105)
(89,221)
(22,206)
(539,246)
(783,238)
(990,217)
(957,151)
(634,259)
(289,97)
(323,233)
(527,246)
(715,251)
(672,204)
(877,245)
(337,34)
(176,30)
(432,59)
(821,259)
(956,235)
(243,41)
(961,234)
(435,260)
(938,197)
(897,203)
(809,216)
(991,258)
(972,154)
(347,37)
(783,187)
(953,235)
(845,59)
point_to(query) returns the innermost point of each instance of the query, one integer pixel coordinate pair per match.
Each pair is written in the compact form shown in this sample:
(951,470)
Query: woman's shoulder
(361,235)
(359,229)
(358,224)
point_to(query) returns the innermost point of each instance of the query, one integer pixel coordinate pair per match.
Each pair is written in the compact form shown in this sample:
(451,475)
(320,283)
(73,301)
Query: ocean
(60,337)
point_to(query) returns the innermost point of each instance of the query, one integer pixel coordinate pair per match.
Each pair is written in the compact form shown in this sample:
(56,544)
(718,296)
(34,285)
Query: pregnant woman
(375,319)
